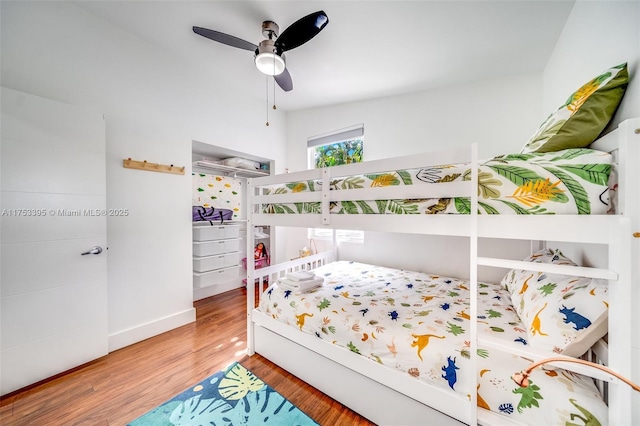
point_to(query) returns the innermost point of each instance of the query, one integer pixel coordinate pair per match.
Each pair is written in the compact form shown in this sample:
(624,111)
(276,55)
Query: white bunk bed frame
(393,397)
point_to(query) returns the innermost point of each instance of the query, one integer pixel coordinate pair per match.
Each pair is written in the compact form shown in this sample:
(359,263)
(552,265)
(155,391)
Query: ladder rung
(536,355)
(580,271)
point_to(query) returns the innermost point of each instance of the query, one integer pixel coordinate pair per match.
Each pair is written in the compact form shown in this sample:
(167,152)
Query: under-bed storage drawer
(217,261)
(209,248)
(206,279)
(215,232)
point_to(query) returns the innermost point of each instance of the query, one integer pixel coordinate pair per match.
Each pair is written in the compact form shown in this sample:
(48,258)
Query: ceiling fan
(269,54)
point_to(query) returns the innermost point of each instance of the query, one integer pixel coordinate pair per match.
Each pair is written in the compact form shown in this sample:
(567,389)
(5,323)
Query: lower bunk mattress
(419,324)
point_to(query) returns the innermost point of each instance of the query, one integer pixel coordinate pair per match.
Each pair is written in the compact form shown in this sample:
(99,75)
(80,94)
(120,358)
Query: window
(336,154)
(334,149)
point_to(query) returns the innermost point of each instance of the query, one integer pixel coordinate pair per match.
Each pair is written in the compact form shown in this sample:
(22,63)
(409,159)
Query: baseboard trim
(204,292)
(153,328)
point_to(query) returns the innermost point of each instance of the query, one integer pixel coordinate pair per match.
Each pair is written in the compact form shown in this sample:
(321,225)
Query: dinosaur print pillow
(564,314)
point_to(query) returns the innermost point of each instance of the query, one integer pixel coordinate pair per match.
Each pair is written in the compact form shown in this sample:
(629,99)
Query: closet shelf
(229,171)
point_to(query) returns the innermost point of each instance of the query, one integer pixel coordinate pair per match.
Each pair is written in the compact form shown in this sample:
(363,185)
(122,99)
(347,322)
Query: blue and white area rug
(230,397)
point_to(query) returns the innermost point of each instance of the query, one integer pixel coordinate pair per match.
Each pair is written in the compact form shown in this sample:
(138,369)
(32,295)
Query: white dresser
(216,256)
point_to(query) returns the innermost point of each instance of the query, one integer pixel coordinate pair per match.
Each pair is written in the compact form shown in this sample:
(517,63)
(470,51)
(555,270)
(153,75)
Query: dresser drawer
(217,261)
(209,248)
(215,232)
(206,279)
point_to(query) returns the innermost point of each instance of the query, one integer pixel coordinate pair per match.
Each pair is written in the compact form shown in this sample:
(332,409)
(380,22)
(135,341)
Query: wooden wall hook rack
(152,167)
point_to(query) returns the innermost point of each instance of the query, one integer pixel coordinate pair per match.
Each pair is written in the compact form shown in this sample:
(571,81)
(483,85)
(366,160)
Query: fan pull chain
(274,83)
(267,86)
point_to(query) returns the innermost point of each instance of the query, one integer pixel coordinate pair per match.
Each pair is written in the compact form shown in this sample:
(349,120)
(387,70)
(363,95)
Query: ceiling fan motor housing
(270,30)
(268,46)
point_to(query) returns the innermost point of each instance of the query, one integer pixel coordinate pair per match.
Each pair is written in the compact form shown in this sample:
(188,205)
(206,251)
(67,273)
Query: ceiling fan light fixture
(270,63)
(269,54)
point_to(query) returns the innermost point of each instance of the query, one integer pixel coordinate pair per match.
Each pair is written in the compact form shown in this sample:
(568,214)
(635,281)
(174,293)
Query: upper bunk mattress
(572,181)
(419,324)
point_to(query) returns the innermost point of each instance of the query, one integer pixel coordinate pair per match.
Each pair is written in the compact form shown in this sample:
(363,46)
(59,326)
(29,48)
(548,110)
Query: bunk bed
(364,381)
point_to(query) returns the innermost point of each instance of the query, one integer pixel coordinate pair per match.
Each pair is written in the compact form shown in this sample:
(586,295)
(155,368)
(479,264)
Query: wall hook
(153,167)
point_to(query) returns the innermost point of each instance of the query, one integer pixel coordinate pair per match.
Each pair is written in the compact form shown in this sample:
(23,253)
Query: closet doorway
(220,253)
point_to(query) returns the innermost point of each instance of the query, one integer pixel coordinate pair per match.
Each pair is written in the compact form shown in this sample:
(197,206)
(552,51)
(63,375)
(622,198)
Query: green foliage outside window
(336,154)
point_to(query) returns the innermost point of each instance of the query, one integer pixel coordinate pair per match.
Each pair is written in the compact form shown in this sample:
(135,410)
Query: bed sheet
(573,181)
(419,324)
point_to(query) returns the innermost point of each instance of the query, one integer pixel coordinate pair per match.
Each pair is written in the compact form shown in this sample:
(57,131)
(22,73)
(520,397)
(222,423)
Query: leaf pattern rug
(234,396)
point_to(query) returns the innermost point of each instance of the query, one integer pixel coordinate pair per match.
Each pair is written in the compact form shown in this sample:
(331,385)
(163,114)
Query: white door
(53,298)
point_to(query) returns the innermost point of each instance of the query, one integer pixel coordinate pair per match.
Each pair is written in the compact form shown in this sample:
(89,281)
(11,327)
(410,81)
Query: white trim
(336,136)
(141,332)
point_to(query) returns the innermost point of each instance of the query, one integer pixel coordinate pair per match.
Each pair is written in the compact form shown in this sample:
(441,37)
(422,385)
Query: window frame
(336,137)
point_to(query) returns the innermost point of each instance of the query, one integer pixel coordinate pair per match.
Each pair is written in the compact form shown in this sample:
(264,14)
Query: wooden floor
(127,383)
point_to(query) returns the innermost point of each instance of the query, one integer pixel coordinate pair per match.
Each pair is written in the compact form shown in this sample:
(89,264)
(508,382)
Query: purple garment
(210,214)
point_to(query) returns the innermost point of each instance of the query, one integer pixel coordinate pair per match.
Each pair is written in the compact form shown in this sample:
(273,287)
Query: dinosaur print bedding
(419,324)
(572,181)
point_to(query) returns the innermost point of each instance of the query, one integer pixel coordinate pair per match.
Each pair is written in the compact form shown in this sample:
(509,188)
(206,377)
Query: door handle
(94,250)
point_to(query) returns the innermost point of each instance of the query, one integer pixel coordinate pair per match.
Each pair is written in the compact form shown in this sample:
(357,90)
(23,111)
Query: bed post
(251,291)
(473,278)
(632,129)
(620,320)
(625,293)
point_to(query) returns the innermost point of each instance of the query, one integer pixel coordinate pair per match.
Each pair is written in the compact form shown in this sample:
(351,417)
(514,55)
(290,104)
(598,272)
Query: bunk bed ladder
(618,274)
(622,270)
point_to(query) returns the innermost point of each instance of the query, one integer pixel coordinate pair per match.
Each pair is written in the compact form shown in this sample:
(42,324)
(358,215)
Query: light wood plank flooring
(127,383)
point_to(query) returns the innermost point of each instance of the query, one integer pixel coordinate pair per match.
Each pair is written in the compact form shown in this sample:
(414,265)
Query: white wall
(598,35)
(155,106)
(500,114)
(581,53)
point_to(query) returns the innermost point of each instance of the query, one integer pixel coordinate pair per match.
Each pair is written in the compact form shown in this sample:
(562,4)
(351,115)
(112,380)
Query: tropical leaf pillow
(584,115)
(564,314)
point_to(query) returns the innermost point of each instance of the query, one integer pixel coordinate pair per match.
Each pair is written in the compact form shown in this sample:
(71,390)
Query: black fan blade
(301,31)
(284,80)
(225,38)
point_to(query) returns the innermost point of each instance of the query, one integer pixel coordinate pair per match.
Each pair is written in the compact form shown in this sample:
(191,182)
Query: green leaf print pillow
(584,115)
(564,314)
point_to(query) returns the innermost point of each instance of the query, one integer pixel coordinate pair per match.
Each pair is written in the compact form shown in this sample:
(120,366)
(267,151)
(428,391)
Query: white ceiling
(369,49)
